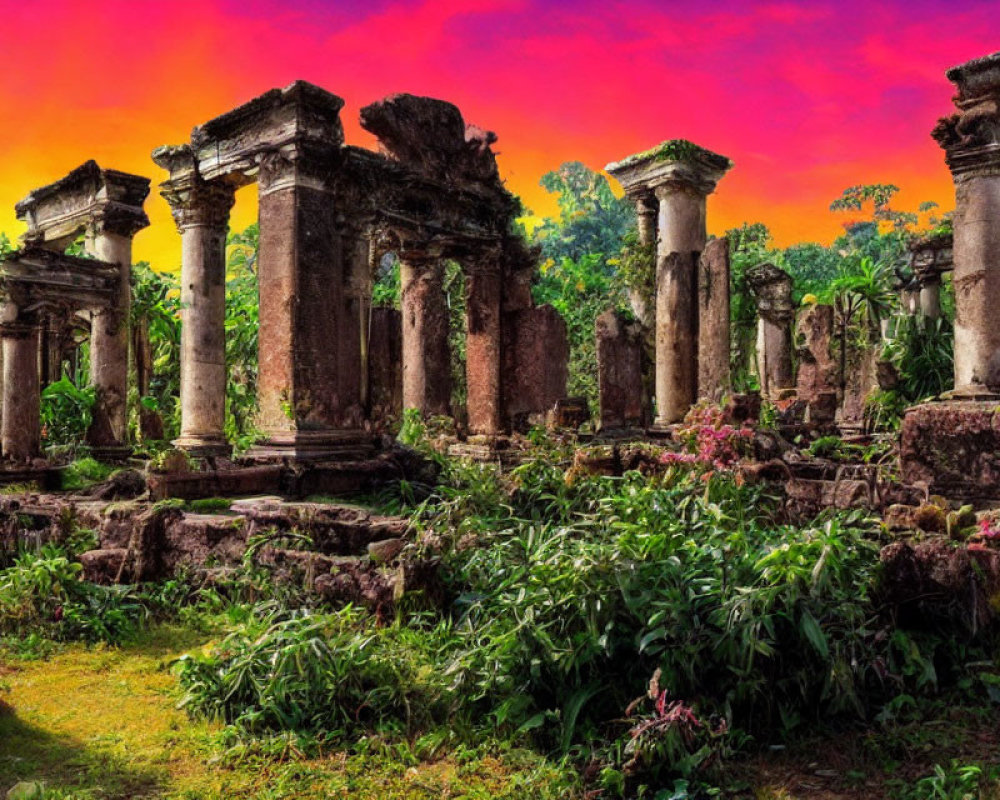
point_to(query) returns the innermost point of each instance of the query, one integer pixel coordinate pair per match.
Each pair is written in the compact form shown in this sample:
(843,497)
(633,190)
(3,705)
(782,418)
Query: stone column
(930,297)
(20,432)
(304,411)
(353,322)
(970,141)
(713,321)
(426,352)
(681,238)
(774,352)
(201,211)
(482,348)
(109,341)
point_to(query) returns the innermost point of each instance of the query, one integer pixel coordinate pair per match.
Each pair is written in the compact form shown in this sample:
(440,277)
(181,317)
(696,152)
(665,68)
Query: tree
(592,221)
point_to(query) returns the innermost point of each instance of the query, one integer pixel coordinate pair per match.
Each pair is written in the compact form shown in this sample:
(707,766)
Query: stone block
(385,363)
(953,448)
(619,371)
(535,362)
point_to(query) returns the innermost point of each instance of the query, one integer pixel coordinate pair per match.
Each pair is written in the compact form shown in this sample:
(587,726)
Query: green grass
(84,473)
(104,723)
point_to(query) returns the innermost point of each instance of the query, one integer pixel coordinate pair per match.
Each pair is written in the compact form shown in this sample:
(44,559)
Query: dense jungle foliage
(636,633)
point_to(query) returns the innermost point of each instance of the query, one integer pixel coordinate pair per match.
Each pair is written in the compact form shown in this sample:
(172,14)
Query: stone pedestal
(201,211)
(20,435)
(713,321)
(482,349)
(426,353)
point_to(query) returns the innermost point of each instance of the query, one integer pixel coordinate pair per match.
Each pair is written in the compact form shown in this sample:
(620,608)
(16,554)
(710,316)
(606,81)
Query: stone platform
(953,448)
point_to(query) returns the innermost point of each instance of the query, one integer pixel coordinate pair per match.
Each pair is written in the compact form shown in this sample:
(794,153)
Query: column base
(324,445)
(971,391)
(495,449)
(203,446)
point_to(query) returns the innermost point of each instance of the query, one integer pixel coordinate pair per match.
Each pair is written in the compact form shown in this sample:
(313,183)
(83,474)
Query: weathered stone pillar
(639,296)
(772,291)
(201,211)
(304,408)
(109,341)
(930,298)
(713,321)
(682,175)
(482,348)
(619,372)
(681,239)
(20,433)
(970,140)
(426,353)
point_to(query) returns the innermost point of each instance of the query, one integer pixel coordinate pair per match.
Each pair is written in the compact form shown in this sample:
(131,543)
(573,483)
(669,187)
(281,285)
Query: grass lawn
(103,723)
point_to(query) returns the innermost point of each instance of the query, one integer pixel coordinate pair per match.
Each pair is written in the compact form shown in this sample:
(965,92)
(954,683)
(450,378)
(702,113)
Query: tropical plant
(66,412)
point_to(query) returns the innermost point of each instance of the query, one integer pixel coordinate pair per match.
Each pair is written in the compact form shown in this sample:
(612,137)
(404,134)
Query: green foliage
(386,288)
(749,245)
(6,246)
(66,412)
(331,672)
(922,350)
(43,592)
(82,473)
(242,324)
(591,222)
(156,304)
(580,291)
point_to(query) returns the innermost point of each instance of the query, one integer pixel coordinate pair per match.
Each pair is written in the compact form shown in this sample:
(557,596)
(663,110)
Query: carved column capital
(971,138)
(197,203)
(300,164)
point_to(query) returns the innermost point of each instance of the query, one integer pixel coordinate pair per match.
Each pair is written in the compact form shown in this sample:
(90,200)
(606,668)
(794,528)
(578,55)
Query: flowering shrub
(710,441)
(988,535)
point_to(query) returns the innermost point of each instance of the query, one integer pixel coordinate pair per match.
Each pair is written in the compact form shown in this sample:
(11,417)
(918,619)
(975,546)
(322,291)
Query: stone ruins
(332,368)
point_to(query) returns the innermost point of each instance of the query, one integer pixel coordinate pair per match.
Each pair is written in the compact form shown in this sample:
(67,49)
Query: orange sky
(806,98)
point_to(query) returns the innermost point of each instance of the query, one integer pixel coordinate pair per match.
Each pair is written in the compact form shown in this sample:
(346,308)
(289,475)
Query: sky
(805,98)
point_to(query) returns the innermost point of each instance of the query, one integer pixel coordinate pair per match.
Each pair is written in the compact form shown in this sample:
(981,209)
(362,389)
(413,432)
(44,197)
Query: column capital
(197,203)
(971,138)
(306,164)
(677,164)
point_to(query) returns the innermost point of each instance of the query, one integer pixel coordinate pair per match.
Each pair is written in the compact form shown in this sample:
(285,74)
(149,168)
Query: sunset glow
(805,98)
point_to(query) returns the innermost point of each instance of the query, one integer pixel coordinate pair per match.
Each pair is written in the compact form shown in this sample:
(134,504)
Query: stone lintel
(301,112)
(35,276)
(675,162)
(88,196)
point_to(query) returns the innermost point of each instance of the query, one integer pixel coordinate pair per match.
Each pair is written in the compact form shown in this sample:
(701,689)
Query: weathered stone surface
(535,363)
(713,321)
(426,352)
(483,343)
(385,550)
(772,291)
(952,448)
(676,335)
(816,382)
(619,371)
(937,581)
(385,359)
(105,566)
(969,139)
